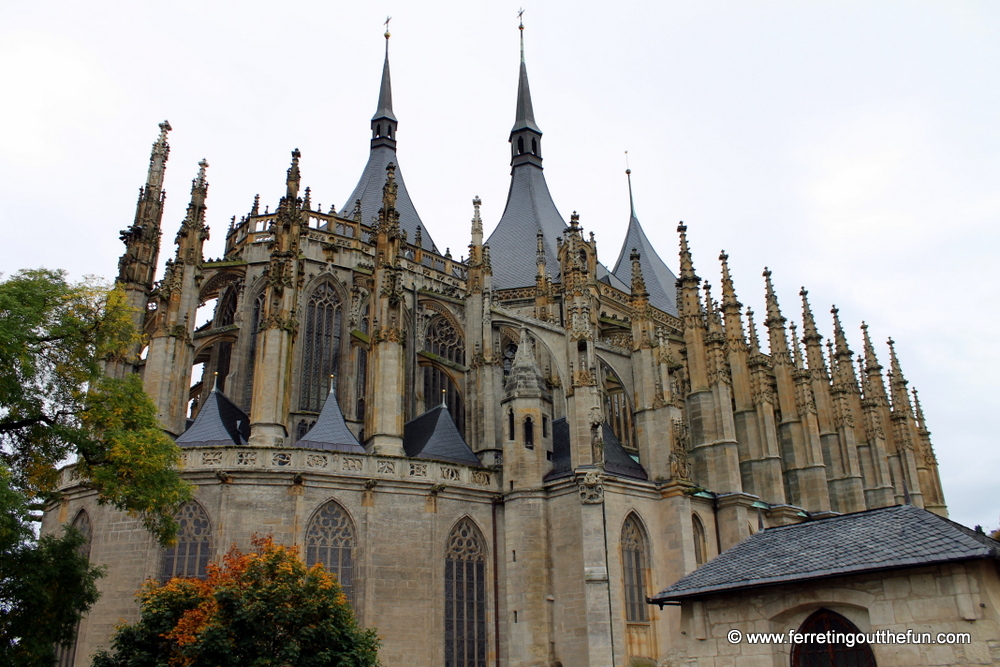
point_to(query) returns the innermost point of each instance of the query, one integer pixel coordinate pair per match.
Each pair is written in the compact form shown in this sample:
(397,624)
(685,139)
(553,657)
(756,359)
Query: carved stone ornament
(592,488)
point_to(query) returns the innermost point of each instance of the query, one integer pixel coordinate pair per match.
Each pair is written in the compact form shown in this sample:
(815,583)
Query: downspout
(715,516)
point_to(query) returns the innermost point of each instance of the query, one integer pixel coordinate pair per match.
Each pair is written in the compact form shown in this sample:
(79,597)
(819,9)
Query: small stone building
(884,572)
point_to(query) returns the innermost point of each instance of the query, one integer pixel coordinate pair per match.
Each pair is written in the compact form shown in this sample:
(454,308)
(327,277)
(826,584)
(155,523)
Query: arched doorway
(831,654)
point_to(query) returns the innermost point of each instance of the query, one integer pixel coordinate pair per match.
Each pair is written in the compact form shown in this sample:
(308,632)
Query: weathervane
(520,20)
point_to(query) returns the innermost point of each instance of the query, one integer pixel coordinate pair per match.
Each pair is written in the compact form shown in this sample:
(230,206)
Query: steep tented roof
(879,539)
(433,435)
(383,151)
(330,431)
(660,280)
(529,209)
(219,423)
(616,460)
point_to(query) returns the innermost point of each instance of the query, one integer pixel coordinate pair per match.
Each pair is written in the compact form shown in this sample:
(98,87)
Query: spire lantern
(525,136)
(384,121)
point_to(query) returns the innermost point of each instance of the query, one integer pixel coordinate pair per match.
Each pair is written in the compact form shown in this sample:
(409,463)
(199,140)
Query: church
(503,457)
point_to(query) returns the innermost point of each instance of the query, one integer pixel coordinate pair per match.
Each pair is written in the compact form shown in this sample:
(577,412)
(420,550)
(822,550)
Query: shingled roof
(879,539)
(330,431)
(219,423)
(661,283)
(433,435)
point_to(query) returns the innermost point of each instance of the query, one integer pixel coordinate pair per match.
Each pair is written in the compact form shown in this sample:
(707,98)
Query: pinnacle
(728,290)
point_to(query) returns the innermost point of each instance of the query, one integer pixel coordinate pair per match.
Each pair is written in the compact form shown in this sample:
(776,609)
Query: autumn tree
(258,609)
(56,406)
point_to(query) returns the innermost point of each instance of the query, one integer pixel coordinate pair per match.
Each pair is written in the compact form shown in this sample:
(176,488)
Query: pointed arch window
(225,313)
(700,542)
(321,345)
(831,654)
(190,553)
(256,326)
(635,559)
(66,653)
(444,340)
(618,410)
(465,597)
(331,540)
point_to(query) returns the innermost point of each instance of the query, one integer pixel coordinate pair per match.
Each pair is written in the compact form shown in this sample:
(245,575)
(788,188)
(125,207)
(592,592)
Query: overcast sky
(852,147)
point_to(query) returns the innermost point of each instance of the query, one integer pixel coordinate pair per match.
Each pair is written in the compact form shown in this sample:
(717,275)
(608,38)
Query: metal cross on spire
(520,26)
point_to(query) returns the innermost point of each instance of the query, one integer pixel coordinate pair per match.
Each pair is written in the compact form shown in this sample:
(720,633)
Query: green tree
(258,609)
(56,404)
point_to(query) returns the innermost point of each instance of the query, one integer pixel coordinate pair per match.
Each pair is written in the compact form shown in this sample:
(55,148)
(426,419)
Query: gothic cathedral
(501,458)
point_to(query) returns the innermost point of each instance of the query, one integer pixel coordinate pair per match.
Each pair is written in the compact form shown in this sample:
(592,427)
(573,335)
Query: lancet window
(618,411)
(700,543)
(321,345)
(65,653)
(635,559)
(225,313)
(256,326)
(331,540)
(465,638)
(190,553)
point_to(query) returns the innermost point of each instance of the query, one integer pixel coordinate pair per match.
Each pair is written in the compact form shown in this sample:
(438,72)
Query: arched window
(700,543)
(465,597)
(616,407)
(437,383)
(831,654)
(225,312)
(520,145)
(330,539)
(444,340)
(635,560)
(534,146)
(65,653)
(321,346)
(256,326)
(189,555)
(529,433)
(510,424)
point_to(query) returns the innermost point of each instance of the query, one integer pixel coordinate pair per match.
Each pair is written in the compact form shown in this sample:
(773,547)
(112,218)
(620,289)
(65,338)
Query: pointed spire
(384,110)
(838,334)
(871,361)
(919,414)
(631,201)
(525,376)
(293,177)
(687,265)
(255,209)
(796,346)
(729,299)
(137,266)
(754,341)
(809,330)
(773,310)
(525,114)
(194,220)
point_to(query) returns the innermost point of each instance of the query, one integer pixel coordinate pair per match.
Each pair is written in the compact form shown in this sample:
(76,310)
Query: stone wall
(946,598)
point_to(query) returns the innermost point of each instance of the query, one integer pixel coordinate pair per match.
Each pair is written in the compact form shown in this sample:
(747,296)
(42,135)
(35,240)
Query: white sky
(852,147)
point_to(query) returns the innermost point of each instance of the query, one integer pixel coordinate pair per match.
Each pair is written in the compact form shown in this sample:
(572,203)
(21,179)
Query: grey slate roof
(513,242)
(880,539)
(330,431)
(525,113)
(661,283)
(433,435)
(616,460)
(220,423)
(385,92)
(369,191)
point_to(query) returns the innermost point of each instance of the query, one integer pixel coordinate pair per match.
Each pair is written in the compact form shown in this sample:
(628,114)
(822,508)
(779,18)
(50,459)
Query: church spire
(384,121)
(525,135)
(137,266)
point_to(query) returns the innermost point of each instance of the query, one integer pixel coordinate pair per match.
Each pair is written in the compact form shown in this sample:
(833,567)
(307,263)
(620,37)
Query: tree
(258,609)
(55,403)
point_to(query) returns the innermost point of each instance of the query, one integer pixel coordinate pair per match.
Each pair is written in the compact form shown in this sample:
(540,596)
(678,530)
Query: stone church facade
(500,457)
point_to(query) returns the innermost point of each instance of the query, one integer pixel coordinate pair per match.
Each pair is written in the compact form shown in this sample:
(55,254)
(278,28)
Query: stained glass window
(465,597)
(189,555)
(321,346)
(330,539)
(635,563)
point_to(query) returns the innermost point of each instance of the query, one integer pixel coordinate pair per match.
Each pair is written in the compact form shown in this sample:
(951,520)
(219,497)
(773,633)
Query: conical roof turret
(330,431)
(529,208)
(660,280)
(366,199)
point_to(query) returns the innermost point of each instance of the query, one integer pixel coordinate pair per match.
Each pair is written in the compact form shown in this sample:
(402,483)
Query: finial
(255,210)
(638,281)
(215,381)
(574,220)
(754,341)
(387,34)
(444,399)
(520,27)
(333,384)
(628,175)
(307,201)
(199,181)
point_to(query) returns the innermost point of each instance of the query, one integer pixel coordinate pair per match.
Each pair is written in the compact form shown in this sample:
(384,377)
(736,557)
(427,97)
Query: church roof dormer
(660,280)
(529,208)
(220,423)
(367,195)
(433,435)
